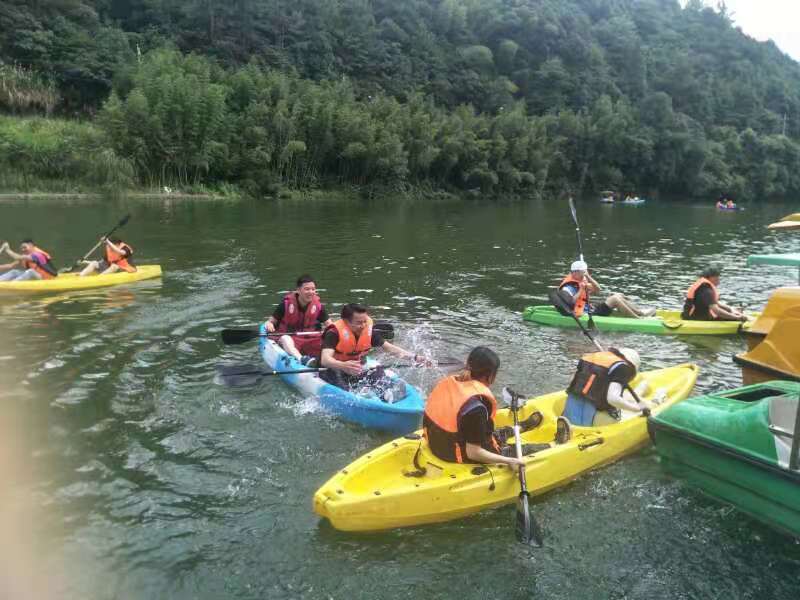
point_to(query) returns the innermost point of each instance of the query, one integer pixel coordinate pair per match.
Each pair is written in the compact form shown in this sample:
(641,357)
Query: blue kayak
(401,415)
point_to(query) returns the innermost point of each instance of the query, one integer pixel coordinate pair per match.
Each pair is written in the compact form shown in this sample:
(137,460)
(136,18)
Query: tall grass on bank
(23,91)
(44,154)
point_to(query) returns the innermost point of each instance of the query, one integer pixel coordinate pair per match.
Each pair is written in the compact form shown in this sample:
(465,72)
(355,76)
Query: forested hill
(505,96)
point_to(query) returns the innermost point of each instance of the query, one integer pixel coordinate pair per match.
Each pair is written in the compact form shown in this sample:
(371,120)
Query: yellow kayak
(401,484)
(71,281)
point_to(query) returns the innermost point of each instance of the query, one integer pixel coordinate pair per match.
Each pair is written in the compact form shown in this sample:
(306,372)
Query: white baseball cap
(579,265)
(632,356)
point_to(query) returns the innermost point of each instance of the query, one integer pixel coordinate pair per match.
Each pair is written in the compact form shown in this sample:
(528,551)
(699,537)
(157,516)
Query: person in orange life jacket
(345,346)
(31,263)
(579,285)
(458,423)
(598,389)
(117,258)
(702,300)
(300,310)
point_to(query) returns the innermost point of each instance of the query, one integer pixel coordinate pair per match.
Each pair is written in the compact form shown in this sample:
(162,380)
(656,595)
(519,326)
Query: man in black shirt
(702,300)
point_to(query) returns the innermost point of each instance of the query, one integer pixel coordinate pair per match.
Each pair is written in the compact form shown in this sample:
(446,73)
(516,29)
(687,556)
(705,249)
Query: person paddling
(598,389)
(702,300)
(118,257)
(300,311)
(31,263)
(579,284)
(458,423)
(345,346)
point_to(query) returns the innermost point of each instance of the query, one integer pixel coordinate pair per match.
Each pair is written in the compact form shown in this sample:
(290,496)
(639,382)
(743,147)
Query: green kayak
(740,446)
(665,322)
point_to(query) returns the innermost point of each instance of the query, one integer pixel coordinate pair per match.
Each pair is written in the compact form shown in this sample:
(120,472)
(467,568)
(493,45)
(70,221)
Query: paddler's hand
(515,464)
(421,361)
(352,367)
(269,326)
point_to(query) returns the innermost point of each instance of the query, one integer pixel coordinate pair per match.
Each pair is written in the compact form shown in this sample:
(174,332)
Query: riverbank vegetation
(498,97)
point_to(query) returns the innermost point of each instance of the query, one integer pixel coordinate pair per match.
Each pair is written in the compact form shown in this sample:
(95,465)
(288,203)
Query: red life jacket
(442,412)
(593,377)
(121,260)
(582,297)
(350,347)
(294,319)
(46,269)
(689,305)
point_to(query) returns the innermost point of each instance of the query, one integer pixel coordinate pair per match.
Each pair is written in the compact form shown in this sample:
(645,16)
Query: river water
(128,473)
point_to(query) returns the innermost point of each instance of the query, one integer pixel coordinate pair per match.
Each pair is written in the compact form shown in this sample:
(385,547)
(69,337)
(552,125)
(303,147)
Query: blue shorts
(579,411)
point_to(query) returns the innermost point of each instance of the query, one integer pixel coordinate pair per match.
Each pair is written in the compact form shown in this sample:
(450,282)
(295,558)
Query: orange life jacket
(121,260)
(689,305)
(47,271)
(350,347)
(593,377)
(442,412)
(583,295)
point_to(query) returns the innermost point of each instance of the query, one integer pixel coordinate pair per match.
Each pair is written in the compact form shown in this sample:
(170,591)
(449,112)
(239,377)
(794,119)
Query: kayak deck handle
(588,445)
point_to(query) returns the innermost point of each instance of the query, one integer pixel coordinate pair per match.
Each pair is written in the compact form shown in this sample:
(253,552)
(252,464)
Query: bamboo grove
(518,97)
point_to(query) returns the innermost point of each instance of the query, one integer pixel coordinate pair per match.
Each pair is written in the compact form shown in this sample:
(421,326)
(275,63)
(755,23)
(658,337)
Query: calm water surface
(128,473)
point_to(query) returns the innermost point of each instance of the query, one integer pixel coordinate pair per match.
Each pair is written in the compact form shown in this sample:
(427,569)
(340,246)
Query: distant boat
(634,200)
(608,196)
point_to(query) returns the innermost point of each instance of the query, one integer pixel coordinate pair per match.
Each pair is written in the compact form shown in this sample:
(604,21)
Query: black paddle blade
(238,375)
(124,221)
(239,336)
(527,529)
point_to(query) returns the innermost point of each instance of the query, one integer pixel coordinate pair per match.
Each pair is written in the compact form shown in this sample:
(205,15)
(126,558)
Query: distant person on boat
(702,300)
(600,388)
(730,204)
(32,263)
(576,288)
(345,346)
(459,415)
(118,257)
(300,311)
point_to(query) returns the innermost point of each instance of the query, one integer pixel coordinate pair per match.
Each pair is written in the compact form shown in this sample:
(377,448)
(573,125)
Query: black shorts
(601,310)
(102,265)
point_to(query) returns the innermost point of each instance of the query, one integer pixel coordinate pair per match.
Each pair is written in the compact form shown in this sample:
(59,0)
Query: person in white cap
(600,388)
(579,284)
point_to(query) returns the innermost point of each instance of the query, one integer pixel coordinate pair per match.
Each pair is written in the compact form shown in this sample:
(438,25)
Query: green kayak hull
(728,446)
(665,322)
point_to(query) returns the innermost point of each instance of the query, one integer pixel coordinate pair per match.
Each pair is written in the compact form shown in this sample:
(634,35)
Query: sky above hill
(778,20)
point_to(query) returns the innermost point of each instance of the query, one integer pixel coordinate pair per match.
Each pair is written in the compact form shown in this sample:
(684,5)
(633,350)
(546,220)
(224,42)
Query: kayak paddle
(123,221)
(526,527)
(580,250)
(558,301)
(240,375)
(240,336)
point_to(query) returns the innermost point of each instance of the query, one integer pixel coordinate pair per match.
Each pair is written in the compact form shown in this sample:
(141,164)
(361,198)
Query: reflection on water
(141,478)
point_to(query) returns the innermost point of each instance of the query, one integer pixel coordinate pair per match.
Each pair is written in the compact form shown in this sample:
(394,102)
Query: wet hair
(304,279)
(348,310)
(711,272)
(115,241)
(27,241)
(482,363)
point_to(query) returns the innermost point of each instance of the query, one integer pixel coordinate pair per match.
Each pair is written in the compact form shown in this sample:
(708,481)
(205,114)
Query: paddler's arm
(351,367)
(595,287)
(8,266)
(116,249)
(480,454)
(16,256)
(726,313)
(399,352)
(617,398)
